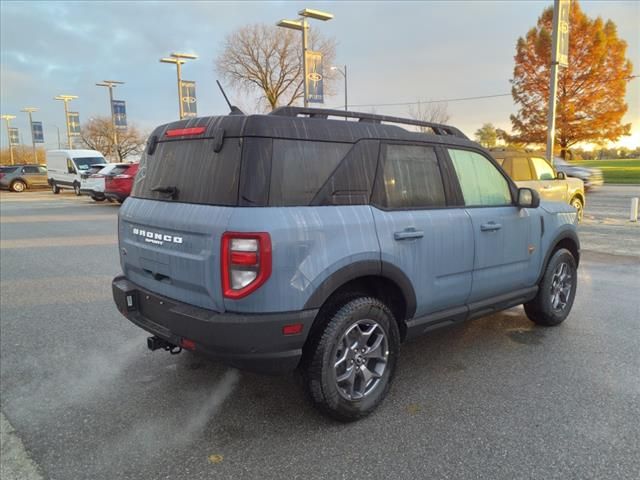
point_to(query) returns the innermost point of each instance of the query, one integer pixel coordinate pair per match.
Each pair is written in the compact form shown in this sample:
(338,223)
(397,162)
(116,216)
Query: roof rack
(438,128)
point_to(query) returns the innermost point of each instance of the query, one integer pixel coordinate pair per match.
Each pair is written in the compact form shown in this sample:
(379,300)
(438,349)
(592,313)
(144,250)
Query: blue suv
(320,240)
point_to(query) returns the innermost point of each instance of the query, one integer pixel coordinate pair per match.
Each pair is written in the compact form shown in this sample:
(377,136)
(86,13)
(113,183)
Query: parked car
(94,183)
(65,167)
(300,240)
(533,171)
(118,183)
(18,178)
(591,177)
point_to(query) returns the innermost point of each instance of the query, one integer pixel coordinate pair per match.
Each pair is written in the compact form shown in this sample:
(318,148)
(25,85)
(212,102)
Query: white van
(65,168)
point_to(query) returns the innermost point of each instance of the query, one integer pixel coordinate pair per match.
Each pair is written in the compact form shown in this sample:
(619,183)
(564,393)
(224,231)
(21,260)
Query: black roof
(320,125)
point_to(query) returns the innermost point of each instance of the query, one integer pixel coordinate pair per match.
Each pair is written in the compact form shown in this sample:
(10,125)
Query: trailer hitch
(157,343)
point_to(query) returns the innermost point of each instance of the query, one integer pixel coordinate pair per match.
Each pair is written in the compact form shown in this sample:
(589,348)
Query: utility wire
(446,100)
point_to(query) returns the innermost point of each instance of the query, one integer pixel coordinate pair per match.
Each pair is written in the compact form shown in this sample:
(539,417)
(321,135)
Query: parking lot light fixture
(178,59)
(29,111)
(344,74)
(111,84)
(302,25)
(66,99)
(7,119)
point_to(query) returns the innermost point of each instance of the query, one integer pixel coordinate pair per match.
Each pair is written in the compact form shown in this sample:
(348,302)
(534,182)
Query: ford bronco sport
(300,240)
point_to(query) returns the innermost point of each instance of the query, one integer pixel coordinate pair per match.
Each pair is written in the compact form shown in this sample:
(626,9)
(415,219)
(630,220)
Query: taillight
(245,263)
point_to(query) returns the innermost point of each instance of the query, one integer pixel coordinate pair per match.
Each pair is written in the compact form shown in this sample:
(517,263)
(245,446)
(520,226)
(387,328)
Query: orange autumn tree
(591,91)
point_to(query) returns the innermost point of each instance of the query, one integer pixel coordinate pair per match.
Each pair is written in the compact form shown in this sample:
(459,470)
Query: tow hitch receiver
(157,343)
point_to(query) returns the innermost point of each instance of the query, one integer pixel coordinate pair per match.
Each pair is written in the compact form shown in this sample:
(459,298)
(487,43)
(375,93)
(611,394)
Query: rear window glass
(120,169)
(190,171)
(300,168)
(95,169)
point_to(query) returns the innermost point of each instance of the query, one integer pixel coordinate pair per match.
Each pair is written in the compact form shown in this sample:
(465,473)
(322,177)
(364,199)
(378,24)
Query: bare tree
(434,112)
(267,60)
(97,134)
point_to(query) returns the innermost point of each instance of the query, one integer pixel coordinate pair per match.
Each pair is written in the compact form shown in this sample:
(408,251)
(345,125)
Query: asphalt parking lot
(496,398)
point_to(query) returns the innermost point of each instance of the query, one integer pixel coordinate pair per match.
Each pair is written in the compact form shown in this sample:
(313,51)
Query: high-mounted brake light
(245,262)
(183,132)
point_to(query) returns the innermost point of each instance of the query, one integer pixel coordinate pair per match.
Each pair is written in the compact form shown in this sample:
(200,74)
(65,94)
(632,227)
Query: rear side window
(300,168)
(518,169)
(481,182)
(6,170)
(412,177)
(190,171)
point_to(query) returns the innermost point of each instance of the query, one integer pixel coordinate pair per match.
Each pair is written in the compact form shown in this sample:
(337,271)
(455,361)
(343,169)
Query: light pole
(302,25)
(110,84)
(66,99)
(8,118)
(178,59)
(344,74)
(30,110)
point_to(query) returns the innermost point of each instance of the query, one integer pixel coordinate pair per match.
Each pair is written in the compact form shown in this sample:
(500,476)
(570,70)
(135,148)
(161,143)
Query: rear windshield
(190,171)
(119,170)
(95,169)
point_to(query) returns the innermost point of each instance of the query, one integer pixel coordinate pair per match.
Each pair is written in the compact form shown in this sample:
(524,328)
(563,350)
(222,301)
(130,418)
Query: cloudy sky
(396,52)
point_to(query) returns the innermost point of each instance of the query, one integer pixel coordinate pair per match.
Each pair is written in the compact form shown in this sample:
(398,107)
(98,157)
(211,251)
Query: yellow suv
(533,171)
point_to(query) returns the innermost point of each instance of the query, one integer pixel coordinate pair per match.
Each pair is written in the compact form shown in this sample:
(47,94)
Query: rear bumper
(91,193)
(246,341)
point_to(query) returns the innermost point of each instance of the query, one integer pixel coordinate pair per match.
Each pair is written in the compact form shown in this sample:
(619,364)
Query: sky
(395,52)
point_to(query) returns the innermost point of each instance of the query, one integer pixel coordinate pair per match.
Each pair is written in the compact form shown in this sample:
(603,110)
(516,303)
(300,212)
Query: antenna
(234,110)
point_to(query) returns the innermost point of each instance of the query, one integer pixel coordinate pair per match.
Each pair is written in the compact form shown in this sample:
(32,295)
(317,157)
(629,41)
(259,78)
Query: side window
(29,169)
(520,171)
(70,167)
(412,177)
(42,170)
(544,171)
(481,182)
(299,169)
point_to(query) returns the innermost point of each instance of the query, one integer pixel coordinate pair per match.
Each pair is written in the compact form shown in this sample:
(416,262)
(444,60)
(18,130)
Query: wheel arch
(379,279)
(566,239)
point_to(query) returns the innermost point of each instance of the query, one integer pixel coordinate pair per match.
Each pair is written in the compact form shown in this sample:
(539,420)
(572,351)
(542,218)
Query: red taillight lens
(245,262)
(182,132)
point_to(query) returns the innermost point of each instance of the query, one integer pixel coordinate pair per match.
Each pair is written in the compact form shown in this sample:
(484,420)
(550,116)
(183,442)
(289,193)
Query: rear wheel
(76,189)
(350,363)
(96,198)
(18,186)
(55,188)
(556,292)
(576,202)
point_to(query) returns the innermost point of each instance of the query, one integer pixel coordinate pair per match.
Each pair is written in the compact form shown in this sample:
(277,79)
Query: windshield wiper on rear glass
(170,191)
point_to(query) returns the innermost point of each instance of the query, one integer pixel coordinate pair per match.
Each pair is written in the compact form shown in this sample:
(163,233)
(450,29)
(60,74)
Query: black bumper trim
(246,341)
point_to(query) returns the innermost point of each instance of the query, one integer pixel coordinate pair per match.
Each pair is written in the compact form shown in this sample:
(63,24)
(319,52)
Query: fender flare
(565,234)
(364,268)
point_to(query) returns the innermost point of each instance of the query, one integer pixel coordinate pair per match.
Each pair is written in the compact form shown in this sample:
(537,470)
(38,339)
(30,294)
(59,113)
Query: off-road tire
(318,369)
(18,186)
(540,310)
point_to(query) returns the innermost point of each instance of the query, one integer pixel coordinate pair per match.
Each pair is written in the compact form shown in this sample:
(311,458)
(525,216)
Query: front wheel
(18,186)
(579,206)
(76,189)
(350,363)
(556,292)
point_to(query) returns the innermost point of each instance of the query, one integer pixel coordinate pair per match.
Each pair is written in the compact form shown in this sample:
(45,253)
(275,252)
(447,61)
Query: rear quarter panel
(308,245)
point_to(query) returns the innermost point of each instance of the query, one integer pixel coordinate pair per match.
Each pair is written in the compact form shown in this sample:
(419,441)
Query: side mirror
(528,198)
(561,176)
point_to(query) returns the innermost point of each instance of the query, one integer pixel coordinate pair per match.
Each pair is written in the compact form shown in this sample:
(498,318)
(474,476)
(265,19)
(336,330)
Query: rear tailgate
(174,249)
(171,226)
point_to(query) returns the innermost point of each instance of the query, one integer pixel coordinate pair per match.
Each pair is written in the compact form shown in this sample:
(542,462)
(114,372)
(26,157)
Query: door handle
(408,233)
(490,227)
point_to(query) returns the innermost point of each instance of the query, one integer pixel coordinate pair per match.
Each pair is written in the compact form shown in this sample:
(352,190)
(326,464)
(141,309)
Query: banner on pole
(73,119)
(314,77)
(188,99)
(37,133)
(120,114)
(563,34)
(14,136)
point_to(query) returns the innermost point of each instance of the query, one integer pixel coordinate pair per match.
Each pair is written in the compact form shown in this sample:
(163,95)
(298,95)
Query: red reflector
(187,344)
(244,258)
(293,329)
(181,132)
